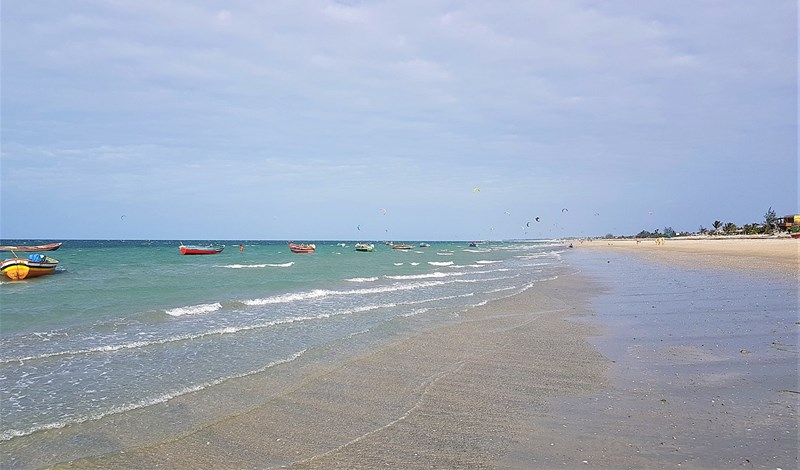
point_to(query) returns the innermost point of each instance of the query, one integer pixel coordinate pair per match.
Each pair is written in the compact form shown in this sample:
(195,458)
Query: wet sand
(624,361)
(458,396)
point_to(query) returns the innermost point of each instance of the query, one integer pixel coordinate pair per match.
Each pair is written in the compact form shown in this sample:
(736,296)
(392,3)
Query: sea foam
(194,309)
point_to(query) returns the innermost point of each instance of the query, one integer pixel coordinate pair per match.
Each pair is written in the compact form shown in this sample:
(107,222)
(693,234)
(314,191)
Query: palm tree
(717,224)
(730,227)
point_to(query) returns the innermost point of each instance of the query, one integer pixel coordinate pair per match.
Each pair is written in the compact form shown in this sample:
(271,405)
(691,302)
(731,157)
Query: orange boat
(34,265)
(201,249)
(27,249)
(302,247)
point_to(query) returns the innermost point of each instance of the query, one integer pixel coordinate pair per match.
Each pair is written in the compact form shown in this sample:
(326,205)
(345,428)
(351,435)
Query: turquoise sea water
(124,325)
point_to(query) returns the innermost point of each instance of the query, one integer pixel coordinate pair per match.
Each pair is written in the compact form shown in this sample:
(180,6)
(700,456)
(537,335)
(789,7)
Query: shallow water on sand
(705,371)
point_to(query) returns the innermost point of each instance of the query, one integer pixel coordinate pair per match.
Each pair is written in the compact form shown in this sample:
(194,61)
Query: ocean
(127,325)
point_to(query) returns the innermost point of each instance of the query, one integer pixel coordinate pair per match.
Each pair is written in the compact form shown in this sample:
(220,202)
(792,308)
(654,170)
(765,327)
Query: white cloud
(513,89)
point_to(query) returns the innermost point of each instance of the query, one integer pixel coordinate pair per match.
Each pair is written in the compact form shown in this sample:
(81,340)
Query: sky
(394,120)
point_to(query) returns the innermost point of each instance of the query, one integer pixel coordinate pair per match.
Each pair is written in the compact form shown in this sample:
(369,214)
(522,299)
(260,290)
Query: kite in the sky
(565,210)
(358,227)
(476,190)
(536,219)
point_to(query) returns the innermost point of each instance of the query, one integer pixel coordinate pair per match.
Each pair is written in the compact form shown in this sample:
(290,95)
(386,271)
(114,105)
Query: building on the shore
(789,223)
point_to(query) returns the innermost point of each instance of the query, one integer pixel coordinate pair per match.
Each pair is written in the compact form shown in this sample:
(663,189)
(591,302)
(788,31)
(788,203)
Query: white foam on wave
(414,312)
(263,265)
(319,293)
(448,253)
(432,275)
(398,264)
(291,297)
(440,263)
(7,435)
(362,279)
(194,309)
(488,262)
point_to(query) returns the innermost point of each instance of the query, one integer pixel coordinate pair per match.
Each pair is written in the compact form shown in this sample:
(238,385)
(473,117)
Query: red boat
(302,247)
(201,249)
(47,247)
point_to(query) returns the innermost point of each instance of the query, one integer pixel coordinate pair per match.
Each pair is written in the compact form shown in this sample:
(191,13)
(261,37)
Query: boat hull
(200,250)
(33,248)
(18,269)
(365,247)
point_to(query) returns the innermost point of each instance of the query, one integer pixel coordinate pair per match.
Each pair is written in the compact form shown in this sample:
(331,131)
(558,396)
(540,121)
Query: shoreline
(574,371)
(455,396)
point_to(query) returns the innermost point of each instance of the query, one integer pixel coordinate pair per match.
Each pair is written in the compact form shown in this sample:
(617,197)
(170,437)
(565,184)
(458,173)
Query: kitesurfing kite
(476,190)
(565,210)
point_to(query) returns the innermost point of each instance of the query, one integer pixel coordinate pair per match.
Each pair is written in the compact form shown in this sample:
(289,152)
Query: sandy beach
(618,363)
(777,255)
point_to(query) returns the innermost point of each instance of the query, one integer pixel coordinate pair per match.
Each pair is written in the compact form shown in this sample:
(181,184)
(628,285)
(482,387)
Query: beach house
(789,223)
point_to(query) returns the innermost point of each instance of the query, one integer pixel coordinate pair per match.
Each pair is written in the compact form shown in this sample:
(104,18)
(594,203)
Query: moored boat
(402,247)
(34,265)
(302,247)
(201,249)
(364,247)
(31,248)
(424,245)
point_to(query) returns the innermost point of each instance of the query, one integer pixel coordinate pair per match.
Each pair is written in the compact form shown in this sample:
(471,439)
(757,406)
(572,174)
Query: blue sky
(376,120)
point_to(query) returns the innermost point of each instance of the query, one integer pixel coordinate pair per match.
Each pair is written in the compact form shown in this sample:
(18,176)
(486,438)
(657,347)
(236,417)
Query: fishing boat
(32,248)
(34,265)
(402,247)
(302,247)
(201,249)
(364,247)
(424,245)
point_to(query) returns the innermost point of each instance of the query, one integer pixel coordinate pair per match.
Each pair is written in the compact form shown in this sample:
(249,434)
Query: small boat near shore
(32,248)
(201,249)
(302,247)
(366,247)
(34,265)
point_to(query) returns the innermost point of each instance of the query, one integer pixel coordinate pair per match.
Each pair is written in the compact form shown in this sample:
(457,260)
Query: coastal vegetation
(771,224)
